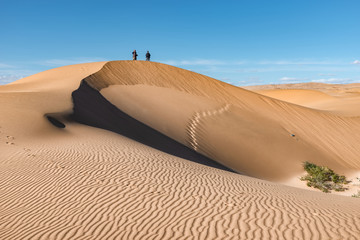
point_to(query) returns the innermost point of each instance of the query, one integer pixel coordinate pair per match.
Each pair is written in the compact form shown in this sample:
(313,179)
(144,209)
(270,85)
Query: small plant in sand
(357,195)
(323,178)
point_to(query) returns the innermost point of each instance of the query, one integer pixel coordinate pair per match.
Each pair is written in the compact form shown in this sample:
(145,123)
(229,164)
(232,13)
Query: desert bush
(356,195)
(323,178)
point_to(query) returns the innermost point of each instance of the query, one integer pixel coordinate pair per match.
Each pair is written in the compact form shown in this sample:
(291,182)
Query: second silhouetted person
(147,55)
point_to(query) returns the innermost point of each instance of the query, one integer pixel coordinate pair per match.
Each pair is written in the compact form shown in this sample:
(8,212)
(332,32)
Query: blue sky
(239,42)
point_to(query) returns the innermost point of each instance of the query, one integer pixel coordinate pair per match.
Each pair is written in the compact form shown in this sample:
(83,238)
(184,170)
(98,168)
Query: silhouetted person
(147,55)
(134,55)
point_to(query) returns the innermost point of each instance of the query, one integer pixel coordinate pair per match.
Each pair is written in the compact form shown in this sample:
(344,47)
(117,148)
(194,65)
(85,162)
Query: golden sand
(86,182)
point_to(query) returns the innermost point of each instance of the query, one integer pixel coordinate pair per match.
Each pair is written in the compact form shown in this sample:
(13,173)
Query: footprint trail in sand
(197,118)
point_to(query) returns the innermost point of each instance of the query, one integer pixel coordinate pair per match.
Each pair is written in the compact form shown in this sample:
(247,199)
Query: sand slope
(240,129)
(82,182)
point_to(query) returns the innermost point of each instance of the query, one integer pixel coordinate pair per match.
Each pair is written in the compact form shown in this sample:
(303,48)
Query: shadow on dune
(92,109)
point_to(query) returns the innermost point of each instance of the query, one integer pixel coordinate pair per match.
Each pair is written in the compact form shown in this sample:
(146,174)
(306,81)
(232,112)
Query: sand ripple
(110,187)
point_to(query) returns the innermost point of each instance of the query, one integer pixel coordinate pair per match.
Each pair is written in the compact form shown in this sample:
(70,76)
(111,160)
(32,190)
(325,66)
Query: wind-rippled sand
(132,178)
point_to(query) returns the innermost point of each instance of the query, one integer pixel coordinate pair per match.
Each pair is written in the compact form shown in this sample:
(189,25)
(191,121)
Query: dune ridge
(314,140)
(83,182)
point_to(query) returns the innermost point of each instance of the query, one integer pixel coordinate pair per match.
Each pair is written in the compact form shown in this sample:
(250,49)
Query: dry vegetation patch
(323,178)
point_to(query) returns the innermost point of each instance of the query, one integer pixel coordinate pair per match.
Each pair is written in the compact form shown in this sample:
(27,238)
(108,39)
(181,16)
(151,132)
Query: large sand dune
(240,129)
(157,165)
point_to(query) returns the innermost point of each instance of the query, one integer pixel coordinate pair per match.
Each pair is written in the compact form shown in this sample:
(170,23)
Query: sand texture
(151,151)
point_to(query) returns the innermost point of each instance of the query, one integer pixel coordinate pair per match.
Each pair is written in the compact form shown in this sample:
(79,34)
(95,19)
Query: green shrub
(323,178)
(356,195)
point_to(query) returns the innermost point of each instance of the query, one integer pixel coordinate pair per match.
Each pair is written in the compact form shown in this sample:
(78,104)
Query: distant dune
(339,99)
(144,150)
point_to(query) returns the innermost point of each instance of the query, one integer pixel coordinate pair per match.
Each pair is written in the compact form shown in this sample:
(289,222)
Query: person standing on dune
(147,55)
(134,55)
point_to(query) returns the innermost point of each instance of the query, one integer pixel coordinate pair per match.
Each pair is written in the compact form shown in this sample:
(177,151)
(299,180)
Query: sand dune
(139,181)
(257,131)
(338,99)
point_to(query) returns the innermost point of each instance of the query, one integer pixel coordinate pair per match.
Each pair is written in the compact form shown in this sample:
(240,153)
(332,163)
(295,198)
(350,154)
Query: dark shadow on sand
(92,109)
(55,122)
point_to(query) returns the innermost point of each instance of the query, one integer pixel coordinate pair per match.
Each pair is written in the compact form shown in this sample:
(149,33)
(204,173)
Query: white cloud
(287,79)
(169,62)
(5,79)
(327,74)
(292,62)
(356,62)
(292,79)
(4,65)
(10,73)
(207,62)
(334,80)
(202,62)
(250,81)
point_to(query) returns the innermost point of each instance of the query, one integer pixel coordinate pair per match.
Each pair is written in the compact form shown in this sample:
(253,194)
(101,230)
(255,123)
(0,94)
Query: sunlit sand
(151,151)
